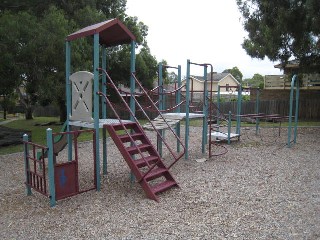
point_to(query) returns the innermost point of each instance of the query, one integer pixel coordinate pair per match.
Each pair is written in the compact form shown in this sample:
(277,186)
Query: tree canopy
(257,81)
(235,72)
(32,46)
(283,30)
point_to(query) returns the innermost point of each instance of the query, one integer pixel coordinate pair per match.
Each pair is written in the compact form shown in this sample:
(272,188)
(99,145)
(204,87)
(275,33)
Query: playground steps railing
(145,161)
(142,158)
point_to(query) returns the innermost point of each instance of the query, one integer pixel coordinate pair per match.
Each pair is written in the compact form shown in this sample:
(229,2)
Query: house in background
(277,88)
(228,85)
(308,81)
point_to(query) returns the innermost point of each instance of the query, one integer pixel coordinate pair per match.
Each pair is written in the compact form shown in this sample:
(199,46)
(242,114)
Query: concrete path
(7,121)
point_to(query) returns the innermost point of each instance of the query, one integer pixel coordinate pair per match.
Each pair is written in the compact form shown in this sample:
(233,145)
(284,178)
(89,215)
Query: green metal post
(239,109)
(161,99)
(187,110)
(297,111)
(229,127)
(293,82)
(132,88)
(178,110)
(132,81)
(205,109)
(104,111)
(96,103)
(68,96)
(218,106)
(26,163)
(161,107)
(257,111)
(52,190)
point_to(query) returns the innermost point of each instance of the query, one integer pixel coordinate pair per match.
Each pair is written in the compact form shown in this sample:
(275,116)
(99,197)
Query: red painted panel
(66,179)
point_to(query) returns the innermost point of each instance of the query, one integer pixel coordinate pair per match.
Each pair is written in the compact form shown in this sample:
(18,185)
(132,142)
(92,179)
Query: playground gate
(56,178)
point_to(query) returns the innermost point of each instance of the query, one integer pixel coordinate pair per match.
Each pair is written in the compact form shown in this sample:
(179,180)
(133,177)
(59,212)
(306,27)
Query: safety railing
(160,137)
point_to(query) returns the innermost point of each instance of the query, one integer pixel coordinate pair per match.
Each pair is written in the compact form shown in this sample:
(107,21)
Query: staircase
(142,158)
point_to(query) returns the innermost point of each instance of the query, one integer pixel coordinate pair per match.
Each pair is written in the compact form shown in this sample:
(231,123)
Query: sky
(204,31)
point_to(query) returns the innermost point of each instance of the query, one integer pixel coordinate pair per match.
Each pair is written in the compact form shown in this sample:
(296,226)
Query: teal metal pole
(26,163)
(205,109)
(178,110)
(132,88)
(52,190)
(229,127)
(161,107)
(239,109)
(218,110)
(104,80)
(96,104)
(297,111)
(104,111)
(132,81)
(257,110)
(293,82)
(161,103)
(187,110)
(68,96)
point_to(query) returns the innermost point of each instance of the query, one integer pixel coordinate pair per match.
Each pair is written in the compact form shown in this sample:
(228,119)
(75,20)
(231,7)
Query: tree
(18,44)
(257,81)
(32,41)
(7,101)
(235,72)
(172,77)
(283,30)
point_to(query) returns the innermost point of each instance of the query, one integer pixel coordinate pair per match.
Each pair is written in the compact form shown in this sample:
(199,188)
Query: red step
(161,187)
(135,136)
(138,166)
(155,173)
(134,149)
(143,162)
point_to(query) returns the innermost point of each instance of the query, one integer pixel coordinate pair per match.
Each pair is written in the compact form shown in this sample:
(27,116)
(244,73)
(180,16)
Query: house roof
(289,64)
(111,33)
(216,77)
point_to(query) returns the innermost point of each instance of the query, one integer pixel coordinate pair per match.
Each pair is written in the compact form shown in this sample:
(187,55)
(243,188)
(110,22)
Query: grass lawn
(39,131)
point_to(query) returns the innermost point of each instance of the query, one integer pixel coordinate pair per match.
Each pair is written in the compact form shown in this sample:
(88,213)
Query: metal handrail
(168,125)
(176,157)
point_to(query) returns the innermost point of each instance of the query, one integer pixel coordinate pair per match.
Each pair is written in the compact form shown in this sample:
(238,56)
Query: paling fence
(308,109)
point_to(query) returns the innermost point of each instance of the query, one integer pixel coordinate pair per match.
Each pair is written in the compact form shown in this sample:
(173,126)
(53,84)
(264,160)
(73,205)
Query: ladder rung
(163,186)
(134,149)
(143,162)
(155,173)
(118,126)
(135,136)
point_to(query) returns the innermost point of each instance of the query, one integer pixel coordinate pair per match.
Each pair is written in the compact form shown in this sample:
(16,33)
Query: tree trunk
(63,110)
(28,112)
(4,113)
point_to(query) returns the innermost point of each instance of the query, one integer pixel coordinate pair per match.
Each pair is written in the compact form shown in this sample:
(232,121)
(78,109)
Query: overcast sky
(204,31)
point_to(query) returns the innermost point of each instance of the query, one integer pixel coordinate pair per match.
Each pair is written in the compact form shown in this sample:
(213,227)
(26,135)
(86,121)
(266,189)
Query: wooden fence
(309,109)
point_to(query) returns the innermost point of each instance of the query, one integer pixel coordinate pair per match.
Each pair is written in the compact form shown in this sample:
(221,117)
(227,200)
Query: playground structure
(215,119)
(86,94)
(81,87)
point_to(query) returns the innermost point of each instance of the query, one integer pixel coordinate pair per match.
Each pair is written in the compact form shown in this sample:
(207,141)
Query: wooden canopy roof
(111,33)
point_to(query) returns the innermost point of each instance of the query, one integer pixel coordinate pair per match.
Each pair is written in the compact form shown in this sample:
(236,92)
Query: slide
(60,141)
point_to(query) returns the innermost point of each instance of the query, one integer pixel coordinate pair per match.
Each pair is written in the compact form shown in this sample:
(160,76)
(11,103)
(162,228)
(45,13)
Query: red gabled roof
(111,33)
